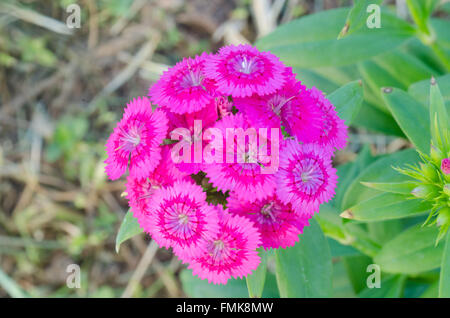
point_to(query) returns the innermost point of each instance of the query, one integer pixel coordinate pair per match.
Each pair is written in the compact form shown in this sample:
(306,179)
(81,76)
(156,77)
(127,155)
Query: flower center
(266,210)
(308,176)
(183,218)
(192,78)
(131,138)
(219,245)
(246,64)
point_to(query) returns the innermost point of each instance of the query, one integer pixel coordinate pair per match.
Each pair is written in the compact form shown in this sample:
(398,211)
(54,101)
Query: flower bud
(447,189)
(443,217)
(424,191)
(436,155)
(445,166)
(429,171)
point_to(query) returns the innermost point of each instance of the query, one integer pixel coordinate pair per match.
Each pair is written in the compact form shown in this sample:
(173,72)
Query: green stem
(441,55)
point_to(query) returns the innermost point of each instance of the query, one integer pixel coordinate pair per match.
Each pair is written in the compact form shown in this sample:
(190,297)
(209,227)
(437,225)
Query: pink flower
(277,222)
(183,88)
(231,253)
(305,177)
(140,192)
(207,115)
(242,70)
(333,133)
(136,140)
(181,218)
(195,123)
(167,170)
(245,177)
(301,117)
(445,166)
(224,107)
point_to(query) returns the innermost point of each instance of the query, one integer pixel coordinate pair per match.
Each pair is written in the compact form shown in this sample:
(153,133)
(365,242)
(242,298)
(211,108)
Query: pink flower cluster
(237,87)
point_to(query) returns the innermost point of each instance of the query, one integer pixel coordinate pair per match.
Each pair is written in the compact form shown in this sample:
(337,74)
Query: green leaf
(412,117)
(392,69)
(338,250)
(432,291)
(341,283)
(330,222)
(439,120)
(356,267)
(374,119)
(384,231)
(386,206)
(361,239)
(391,287)
(311,41)
(346,234)
(128,229)
(392,187)
(195,287)
(327,79)
(347,100)
(379,171)
(404,67)
(305,270)
(255,281)
(444,280)
(412,251)
(421,90)
(235,288)
(357,17)
(421,11)
(348,172)
(10,286)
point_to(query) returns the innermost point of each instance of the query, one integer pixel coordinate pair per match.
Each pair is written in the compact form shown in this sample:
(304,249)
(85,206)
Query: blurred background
(61,92)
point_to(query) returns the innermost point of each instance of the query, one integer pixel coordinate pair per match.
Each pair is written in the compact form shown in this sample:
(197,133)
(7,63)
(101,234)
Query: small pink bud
(445,166)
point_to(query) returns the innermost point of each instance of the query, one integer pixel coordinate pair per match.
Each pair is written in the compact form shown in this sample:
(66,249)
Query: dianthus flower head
(136,140)
(277,222)
(445,166)
(242,70)
(181,218)
(333,134)
(300,115)
(231,253)
(183,88)
(242,174)
(305,177)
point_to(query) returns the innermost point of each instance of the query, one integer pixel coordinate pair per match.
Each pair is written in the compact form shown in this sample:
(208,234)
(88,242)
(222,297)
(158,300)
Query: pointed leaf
(347,100)
(411,252)
(255,281)
(412,117)
(444,281)
(439,120)
(305,270)
(421,90)
(357,17)
(392,187)
(311,41)
(128,229)
(386,206)
(379,171)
